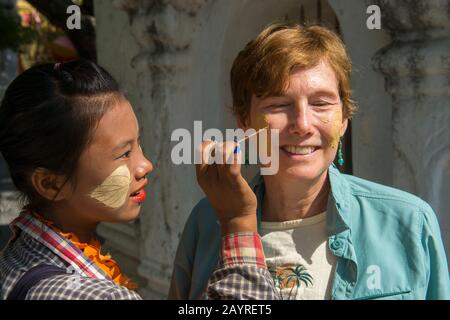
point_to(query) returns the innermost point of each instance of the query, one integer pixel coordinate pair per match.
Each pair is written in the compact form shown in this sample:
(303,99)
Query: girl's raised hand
(229,193)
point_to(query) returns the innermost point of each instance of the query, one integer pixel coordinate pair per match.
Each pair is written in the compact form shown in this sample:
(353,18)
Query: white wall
(175,63)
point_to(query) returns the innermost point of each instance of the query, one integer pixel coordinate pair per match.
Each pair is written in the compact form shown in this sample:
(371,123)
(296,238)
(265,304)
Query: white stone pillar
(163,31)
(416,66)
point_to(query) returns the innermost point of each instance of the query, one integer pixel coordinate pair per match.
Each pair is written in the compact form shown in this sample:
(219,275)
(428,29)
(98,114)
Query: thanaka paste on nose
(113,192)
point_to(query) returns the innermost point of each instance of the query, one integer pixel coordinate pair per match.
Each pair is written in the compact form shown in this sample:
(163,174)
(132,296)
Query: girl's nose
(144,168)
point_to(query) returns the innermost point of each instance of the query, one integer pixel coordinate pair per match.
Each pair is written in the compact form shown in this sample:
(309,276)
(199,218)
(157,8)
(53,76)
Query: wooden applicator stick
(258,123)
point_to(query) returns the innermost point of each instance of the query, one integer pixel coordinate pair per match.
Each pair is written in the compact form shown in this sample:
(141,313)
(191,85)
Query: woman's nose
(300,120)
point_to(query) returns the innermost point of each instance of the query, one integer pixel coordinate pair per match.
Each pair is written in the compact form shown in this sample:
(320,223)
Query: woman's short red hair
(264,66)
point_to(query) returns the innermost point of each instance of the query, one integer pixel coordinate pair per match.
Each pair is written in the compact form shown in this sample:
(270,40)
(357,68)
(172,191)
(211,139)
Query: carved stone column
(164,31)
(416,66)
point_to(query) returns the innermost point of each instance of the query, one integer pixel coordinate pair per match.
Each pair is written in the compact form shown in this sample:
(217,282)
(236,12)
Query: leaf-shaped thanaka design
(113,192)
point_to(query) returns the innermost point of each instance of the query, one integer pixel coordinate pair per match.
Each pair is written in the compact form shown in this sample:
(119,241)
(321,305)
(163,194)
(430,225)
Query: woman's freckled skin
(302,122)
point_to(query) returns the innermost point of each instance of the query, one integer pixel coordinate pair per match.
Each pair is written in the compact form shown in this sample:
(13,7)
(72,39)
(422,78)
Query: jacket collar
(338,202)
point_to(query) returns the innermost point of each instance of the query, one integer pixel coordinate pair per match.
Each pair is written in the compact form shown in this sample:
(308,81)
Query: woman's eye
(278,106)
(320,103)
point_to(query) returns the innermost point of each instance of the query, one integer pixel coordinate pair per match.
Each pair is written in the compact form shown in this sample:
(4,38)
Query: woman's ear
(344,127)
(50,186)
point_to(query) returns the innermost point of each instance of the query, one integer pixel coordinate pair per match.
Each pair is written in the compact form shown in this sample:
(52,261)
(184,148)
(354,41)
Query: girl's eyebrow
(123,144)
(126,143)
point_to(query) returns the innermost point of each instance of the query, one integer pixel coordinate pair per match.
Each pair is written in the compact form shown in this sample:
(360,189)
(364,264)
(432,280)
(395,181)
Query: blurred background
(173,57)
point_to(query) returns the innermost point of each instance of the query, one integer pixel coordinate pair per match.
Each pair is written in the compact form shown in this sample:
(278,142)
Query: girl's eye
(125,155)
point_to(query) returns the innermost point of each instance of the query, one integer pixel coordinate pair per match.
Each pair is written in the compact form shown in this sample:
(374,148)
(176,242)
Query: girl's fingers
(227,167)
(205,149)
(234,159)
(231,160)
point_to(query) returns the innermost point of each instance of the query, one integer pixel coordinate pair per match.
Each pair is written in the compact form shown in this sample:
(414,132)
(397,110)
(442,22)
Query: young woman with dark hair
(70,139)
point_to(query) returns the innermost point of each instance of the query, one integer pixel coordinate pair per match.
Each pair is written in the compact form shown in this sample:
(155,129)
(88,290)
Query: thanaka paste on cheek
(113,192)
(334,120)
(262,122)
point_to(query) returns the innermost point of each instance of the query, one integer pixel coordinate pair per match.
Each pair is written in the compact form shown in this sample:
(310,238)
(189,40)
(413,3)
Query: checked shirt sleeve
(242,273)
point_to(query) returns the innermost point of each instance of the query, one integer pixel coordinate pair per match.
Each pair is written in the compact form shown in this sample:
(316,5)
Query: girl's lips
(139,197)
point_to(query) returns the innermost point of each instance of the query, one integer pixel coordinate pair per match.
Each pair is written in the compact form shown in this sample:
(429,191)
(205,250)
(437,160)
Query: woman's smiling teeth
(299,150)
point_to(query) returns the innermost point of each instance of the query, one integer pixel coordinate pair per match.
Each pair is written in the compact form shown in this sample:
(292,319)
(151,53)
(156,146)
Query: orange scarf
(93,251)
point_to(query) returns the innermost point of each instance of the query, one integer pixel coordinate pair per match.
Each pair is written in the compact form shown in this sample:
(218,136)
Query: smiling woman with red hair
(325,235)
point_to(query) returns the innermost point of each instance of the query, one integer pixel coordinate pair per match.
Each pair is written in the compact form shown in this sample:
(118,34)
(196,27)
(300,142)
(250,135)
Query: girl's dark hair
(48,116)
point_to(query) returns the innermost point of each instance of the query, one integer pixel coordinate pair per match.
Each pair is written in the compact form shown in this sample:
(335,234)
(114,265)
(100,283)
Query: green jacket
(387,242)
